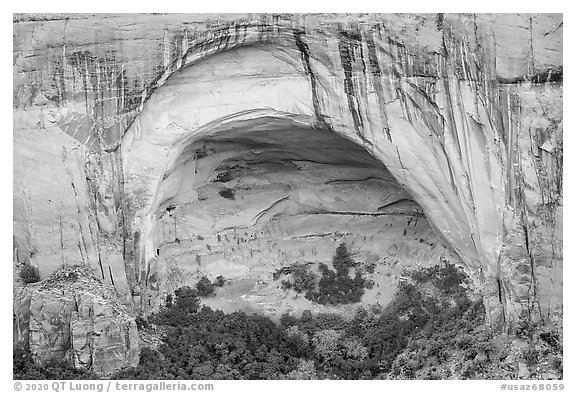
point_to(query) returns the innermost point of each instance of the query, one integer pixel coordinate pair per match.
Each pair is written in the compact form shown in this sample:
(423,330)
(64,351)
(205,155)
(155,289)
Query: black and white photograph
(201,197)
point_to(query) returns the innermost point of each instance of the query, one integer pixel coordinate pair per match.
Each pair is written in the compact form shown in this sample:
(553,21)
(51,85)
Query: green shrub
(227,193)
(169,300)
(544,338)
(29,274)
(187,299)
(24,367)
(141,323)
(204,287)
(186,303)
(224,177)
(219,281)
(531,356)
(336,288)
(304,280)
(152,365)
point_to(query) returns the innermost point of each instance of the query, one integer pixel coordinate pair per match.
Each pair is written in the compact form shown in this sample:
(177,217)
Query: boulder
(73,315)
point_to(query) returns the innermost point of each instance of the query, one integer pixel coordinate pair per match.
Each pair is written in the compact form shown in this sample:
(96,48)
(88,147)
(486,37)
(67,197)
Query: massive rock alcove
(124,123)
(267,193)
(263,186)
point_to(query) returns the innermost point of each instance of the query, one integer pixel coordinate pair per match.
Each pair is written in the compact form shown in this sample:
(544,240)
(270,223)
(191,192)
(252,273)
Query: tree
(306,370)
(204,287)
(304,280)
(354,349)
(326,344)
(342,260)
(54,368)
(187,299)
(421,334)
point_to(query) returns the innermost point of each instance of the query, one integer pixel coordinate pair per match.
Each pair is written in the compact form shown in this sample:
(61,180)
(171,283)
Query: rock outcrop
(72,315)
(464,112)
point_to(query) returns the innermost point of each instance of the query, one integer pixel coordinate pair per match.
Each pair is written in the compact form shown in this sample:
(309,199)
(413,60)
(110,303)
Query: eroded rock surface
(66,203)
(72,315)
(463,111)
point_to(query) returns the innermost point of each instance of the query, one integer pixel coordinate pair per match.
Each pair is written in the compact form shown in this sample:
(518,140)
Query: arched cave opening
(255,196)
(232,170)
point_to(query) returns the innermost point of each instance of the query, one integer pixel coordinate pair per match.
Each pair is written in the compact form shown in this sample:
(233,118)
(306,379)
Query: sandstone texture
(412,138)
(72,315)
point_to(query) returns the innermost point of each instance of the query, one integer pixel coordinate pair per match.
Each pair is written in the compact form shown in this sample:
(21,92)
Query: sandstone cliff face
(464,111)
(71,315)
(66,204)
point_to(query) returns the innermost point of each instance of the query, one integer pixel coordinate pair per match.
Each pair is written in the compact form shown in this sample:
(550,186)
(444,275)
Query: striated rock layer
(72,315)
(463,111)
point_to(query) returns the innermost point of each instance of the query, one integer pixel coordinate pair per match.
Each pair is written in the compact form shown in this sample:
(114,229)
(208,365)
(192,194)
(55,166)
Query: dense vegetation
(29,274)
(303,279)
(205,288)
(433,329)
(334,287)
(24,367)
